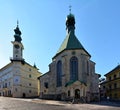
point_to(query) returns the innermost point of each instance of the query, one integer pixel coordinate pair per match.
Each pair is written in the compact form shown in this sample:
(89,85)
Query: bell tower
(17,45)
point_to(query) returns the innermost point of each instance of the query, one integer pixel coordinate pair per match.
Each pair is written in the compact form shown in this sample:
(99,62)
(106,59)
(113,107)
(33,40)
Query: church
(71,74)
(19,78)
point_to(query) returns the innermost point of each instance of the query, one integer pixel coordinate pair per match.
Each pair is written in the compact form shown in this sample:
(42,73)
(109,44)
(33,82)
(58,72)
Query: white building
(18,78)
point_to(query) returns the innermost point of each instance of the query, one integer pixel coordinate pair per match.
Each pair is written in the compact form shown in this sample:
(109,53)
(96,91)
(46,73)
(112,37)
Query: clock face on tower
(16,46)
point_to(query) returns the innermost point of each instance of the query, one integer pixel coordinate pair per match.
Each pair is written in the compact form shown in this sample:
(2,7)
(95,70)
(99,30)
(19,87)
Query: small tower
(17,45)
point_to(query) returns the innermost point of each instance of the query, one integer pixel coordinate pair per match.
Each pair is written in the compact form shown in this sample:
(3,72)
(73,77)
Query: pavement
(51,102)
(8,103)
(103,105)
(54,102)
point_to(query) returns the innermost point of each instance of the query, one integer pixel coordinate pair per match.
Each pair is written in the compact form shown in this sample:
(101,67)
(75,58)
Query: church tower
(17,45)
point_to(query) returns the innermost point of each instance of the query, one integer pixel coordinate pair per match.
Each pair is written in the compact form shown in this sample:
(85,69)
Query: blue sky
(42,23)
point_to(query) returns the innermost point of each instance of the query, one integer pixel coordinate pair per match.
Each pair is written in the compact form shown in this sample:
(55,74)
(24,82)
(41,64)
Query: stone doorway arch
(77,93)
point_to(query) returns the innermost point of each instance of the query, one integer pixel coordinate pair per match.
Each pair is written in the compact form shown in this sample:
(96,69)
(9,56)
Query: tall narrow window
(59,73)
(115,85)
(115,76)
(110,78)
(73,68)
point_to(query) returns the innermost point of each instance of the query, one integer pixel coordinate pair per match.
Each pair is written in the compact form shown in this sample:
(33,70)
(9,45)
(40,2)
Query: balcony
(17,59)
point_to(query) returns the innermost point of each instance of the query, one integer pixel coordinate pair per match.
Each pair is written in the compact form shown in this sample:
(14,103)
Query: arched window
(59,73)
(73,68)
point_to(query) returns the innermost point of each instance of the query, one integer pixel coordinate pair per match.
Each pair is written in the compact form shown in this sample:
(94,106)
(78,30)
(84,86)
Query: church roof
(70,42)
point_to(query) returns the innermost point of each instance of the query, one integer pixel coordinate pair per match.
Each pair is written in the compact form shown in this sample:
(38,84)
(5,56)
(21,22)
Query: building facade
(18,78)
(71,73)
(112,84)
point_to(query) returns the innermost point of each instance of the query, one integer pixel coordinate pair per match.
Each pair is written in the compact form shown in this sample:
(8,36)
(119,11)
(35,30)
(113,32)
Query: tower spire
(17,33)
(70,21)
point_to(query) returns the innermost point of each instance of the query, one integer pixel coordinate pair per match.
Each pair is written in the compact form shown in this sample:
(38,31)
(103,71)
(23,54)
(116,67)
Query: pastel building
(111,86)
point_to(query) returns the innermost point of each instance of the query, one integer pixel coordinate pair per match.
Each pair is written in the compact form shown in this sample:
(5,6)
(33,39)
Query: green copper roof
(71,82)
(70,42)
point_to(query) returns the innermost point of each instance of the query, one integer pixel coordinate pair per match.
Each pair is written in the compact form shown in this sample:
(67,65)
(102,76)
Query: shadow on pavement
(107,103)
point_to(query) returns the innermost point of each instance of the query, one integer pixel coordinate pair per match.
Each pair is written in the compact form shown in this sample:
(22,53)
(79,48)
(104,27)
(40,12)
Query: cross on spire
(17,23)
(70,8)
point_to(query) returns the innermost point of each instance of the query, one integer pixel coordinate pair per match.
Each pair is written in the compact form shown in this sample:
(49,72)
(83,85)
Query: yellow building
(112,83)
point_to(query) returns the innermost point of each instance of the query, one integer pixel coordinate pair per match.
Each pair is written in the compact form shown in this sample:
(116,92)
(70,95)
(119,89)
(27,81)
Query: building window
(110,87)
(110,78)
(30,91)
(59,73)
(16,89)
(44,91)
(29,69)
(103,87)
(73,68)
(5,85)
(16,80)
(30,84)
(30,76)
(115,85)
(115,76)
(46,84)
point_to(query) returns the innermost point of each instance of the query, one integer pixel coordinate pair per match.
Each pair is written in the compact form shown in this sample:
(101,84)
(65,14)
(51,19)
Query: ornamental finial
(17,23)
(70,8)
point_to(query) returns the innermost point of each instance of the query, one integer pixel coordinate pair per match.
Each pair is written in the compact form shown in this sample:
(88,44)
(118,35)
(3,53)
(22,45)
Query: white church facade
(71,73)
(18,78)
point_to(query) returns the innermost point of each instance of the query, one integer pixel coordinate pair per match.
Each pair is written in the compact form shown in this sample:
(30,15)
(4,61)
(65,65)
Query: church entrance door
(77,93)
